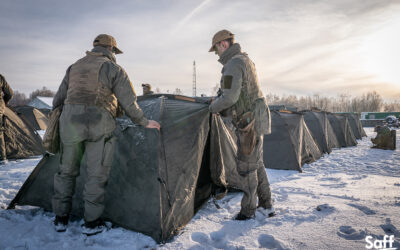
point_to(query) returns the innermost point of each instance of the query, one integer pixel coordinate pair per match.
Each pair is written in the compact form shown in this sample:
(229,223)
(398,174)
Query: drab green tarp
(158,180)
(20,138)
(290,144)
(154,181)
(321,130)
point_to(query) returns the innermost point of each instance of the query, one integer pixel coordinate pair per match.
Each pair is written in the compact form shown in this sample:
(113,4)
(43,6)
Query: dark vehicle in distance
(391,121)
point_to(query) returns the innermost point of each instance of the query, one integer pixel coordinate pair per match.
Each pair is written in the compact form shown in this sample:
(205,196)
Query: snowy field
(334,204)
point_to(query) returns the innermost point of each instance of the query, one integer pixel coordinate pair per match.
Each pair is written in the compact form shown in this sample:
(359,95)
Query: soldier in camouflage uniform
(241,99)
(147,89)
(89,94)
(385,138)
(5,96)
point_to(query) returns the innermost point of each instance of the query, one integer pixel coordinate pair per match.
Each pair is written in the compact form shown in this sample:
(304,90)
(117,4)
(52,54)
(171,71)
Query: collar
(104,52)
(233,50)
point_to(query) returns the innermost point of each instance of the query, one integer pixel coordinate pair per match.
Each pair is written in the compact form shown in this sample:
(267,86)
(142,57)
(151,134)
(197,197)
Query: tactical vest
(84,86)
(250,91)
(251,99)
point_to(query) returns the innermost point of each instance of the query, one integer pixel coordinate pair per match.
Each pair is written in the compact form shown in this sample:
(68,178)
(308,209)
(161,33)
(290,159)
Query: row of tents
(159,179)
(303,137)
(20,132)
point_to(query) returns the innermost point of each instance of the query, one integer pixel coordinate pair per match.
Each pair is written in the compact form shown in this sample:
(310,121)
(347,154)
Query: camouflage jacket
(115,78)
(6,93)
(240,89)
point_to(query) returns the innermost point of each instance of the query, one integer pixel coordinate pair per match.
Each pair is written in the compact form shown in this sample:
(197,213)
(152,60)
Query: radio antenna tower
(194,78)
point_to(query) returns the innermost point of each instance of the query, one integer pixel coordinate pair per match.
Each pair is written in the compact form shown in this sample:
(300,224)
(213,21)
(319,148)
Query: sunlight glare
(381,52)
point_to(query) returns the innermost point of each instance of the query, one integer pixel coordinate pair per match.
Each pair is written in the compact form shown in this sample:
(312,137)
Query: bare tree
(19,99)
(369,102)
(178,91)
(41,92)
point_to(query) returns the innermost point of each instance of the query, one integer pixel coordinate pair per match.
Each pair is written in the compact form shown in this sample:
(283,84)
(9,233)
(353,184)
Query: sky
(300,47)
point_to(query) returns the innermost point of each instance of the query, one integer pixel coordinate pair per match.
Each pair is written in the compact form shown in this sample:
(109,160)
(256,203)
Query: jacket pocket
(262,117)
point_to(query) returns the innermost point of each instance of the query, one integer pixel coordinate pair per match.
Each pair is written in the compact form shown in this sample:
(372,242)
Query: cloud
(301,46)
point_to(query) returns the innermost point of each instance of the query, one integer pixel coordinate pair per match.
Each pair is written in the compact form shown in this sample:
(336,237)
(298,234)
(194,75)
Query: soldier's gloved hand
(153,124)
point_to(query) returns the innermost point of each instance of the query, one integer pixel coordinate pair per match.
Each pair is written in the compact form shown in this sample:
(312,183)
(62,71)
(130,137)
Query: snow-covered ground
(334,204)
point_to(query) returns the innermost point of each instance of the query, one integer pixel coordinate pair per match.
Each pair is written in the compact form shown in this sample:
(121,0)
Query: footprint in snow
(325,208)
(335,179)
(219,240)
(200,237)
(390,229)
(364,209)
(269,242)
(349,233)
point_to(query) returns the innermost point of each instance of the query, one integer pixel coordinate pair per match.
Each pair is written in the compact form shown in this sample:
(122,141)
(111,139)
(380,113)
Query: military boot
(60,223)
(94,227)
(241,216)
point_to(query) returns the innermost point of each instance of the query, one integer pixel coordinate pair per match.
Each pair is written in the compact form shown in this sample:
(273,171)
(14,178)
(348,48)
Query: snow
(47,100)
(334,204)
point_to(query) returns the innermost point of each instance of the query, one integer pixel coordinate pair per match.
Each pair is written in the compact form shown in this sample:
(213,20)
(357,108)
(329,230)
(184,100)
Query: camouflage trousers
(3,152)
(98,155)
(252,179)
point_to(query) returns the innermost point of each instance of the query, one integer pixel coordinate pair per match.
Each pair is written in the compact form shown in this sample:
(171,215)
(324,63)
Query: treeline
(20,99)
(368,102)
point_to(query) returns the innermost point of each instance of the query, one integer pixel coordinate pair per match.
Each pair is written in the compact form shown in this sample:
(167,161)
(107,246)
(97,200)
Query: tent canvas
(157,179)
(20,139)
(342,129)
(321,130)
(290,143)
(33,116)
(355,125)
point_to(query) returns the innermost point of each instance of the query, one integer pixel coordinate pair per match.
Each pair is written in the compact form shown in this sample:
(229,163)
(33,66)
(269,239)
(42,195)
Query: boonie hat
(107,40)
(146,85)
(220,36)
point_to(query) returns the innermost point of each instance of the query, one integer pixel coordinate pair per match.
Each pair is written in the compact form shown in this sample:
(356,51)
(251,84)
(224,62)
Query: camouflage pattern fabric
(384,138)
(89,93)
(6,94)
(239,91)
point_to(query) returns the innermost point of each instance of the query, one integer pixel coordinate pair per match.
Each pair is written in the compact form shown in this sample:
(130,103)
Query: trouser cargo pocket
(108,152)
(247,134)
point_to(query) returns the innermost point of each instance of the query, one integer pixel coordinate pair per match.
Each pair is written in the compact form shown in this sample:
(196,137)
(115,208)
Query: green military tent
(33,116)
(342,129)
(290,144)
(321,130)
(20,138)
(355,124)
(158,179)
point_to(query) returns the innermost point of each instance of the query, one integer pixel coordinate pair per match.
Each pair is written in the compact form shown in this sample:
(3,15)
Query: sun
(380,52)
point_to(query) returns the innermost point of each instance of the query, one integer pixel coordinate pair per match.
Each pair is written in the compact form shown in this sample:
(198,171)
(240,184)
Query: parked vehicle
(391,121)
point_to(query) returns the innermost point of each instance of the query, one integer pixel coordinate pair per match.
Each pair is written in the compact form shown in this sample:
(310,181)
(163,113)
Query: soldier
(5,96)
(147,89)
(89,94)
(385,138)
(242,100)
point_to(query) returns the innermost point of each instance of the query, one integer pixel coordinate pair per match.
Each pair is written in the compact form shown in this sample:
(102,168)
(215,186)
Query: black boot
(241,216)
(94,227)
(60,223)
